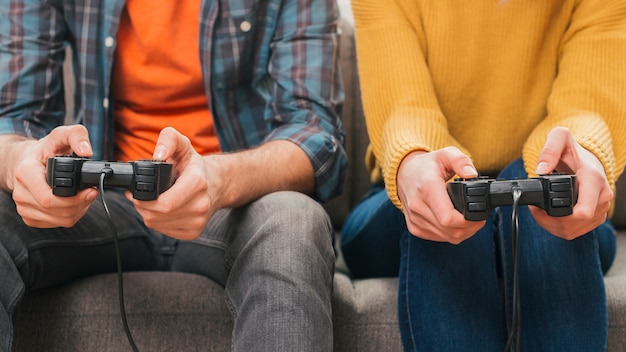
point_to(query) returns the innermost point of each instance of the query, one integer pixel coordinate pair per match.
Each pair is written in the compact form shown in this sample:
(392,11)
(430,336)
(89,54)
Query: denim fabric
(458,297)
(274,257)
(370,236)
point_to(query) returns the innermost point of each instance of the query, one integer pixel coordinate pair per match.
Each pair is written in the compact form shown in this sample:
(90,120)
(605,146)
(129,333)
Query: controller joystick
(145,179)
(475,198)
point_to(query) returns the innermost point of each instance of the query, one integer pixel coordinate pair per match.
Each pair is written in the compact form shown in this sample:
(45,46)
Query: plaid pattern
(270,72)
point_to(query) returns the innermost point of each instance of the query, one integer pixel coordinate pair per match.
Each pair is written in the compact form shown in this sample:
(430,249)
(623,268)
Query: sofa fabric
(185,312)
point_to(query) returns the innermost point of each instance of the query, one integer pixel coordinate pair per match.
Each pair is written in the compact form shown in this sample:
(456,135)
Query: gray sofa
(183,312)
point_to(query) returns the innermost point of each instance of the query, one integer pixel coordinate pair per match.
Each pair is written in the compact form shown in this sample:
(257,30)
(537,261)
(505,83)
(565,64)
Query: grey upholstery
(184,312)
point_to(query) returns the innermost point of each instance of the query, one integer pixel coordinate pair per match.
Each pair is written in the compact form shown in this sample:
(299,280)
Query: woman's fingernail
(542,168)
(469,171)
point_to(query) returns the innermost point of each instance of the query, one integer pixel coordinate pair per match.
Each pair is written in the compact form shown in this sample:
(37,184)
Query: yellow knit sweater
(491,78)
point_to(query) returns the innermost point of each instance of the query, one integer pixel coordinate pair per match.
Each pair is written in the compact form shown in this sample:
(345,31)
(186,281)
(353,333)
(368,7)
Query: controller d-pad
(560,186)
(63,182)
(146,171)
(477,206)
(561,202)
(476,191)
(64,167)
(144,186)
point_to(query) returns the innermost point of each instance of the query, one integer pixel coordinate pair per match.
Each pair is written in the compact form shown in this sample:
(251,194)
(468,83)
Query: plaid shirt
(269,69)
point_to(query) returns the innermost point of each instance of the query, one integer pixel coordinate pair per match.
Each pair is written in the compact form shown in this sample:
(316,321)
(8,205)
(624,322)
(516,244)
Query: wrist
(11,148)
(220,191)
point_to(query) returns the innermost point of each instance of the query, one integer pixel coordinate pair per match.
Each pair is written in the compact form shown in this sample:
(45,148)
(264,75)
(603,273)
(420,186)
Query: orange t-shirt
(157,78)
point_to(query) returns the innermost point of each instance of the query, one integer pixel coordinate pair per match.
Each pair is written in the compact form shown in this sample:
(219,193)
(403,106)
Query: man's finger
(170,142)
(74,136)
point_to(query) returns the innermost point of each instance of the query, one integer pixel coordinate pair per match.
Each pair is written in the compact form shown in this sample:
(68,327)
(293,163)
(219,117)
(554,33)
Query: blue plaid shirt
(273,78)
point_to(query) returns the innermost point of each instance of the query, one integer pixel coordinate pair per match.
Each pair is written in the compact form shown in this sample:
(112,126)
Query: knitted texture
(492,79)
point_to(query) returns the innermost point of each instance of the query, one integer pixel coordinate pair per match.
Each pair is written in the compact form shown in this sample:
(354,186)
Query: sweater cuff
(407,131)
(590,131)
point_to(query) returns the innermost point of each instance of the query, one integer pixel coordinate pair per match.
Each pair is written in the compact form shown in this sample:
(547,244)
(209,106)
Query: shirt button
(105,103)
(245,26)
(108,42)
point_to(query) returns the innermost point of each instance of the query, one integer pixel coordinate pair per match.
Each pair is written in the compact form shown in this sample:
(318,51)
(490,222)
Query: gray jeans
(274,258)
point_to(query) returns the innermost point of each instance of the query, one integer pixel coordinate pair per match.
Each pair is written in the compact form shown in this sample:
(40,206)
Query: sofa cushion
(364,315)
(166,312)
(185,312)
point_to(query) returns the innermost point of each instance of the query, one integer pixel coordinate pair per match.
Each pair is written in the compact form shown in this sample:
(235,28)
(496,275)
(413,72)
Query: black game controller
(146,179)
(475,198)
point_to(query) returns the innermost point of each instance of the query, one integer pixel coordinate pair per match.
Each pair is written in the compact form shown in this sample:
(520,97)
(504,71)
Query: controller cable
(108,172)
(513,341)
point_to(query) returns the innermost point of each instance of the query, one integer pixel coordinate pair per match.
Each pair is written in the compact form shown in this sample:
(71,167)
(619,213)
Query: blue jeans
(274,258)
(458,297)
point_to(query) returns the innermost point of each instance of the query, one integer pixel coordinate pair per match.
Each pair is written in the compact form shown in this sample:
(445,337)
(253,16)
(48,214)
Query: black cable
(515,326)
(118,256)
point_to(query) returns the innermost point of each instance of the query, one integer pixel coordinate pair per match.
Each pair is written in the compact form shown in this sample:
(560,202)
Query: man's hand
(24,173)
(422,190)
(561,152)
(183,210)
(208,183)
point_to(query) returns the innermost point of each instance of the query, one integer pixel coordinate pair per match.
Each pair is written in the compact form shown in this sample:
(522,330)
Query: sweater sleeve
(401,109)
(588,95)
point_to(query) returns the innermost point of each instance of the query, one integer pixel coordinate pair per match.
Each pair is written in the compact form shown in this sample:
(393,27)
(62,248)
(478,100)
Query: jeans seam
(504,261)
(406,296)
(21,259)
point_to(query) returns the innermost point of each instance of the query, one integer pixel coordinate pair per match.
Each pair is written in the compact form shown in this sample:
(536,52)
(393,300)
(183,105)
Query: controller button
(477,206)
(63,182)
(64,167)
(146,170)
(561,202)
(476,191)
(144,186)
(560,187)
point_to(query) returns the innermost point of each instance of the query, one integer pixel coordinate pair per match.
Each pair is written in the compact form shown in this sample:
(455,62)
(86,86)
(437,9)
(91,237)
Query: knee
(13,254)
(294,227)
(296,212)
(607,245)
(13,230)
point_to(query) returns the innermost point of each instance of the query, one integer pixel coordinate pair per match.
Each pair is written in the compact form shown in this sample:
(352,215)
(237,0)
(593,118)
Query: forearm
(248,175)
(587,96)
(305,91)
(401,107)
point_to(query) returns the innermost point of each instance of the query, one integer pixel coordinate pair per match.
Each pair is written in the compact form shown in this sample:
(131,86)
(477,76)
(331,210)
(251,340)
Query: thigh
(370,237)
(275,259)
(45,257)
(281,221)
(560,281)
(449,297)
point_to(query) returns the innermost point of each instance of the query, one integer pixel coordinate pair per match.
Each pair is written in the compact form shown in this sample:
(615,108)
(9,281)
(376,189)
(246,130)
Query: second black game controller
(475,198)
(145,179)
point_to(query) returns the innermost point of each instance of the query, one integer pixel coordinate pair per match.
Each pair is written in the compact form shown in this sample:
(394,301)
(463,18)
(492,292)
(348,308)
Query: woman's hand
(561,152)
(422,190)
